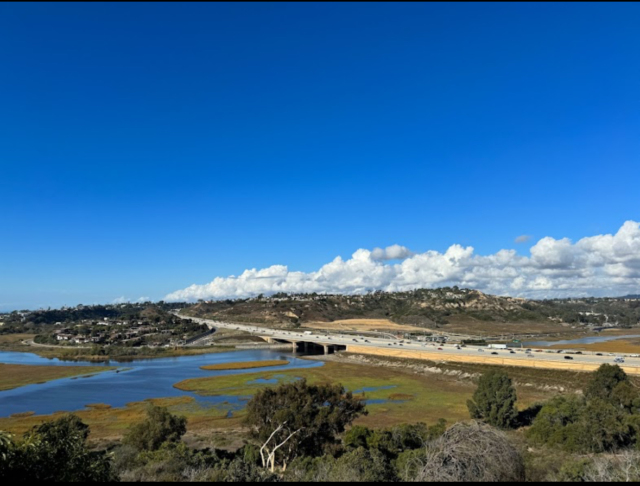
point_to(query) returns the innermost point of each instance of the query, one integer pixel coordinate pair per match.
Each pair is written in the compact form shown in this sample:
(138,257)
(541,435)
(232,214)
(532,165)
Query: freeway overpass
(388,347)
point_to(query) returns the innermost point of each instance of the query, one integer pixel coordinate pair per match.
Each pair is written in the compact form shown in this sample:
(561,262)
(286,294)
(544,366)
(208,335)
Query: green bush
(494,401)
(159,427)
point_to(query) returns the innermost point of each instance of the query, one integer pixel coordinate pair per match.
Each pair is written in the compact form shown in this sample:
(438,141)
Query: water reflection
(134,382)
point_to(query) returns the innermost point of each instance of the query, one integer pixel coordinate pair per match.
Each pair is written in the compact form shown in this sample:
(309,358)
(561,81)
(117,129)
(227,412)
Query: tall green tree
(494,401)
(298,419)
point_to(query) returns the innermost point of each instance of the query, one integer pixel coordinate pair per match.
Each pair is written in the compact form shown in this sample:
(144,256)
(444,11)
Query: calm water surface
(136,381)
(587,340)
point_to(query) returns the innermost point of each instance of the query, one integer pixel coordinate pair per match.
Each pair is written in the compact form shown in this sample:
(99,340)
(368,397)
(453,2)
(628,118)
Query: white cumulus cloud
(598,265)
(393,252)
(523,239)
(126,300)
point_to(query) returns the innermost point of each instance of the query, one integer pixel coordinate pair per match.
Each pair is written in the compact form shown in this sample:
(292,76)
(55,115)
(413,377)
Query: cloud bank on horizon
(603,265)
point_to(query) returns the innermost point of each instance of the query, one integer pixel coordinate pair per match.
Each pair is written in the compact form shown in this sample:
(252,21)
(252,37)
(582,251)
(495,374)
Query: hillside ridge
(426,308)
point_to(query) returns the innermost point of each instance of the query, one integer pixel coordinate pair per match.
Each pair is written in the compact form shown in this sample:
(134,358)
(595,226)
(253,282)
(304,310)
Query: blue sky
(148,147)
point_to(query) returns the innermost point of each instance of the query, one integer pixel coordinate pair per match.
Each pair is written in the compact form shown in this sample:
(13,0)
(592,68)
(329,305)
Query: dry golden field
(361,325)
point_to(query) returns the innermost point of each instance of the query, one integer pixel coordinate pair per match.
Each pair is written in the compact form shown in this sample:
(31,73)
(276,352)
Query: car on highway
(495,353)
(568,357)
(512,352)
(598,354)
(439,349)
(619,360)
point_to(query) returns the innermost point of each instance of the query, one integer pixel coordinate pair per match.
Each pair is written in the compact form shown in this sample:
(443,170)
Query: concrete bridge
(306,346)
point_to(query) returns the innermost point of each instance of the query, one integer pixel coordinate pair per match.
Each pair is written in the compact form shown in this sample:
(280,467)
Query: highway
(382,346)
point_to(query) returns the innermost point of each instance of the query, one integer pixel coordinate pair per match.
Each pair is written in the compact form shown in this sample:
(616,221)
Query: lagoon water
(587,340)
(136,381)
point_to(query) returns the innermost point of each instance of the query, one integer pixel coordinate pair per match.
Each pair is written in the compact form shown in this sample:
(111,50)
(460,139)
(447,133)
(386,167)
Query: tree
(57,452)
(604,381)
(627,397)
(555,424)
(584,426)
(358,436)
(159,427)
(298,419)
(603,427)
(494,401)
(405,437)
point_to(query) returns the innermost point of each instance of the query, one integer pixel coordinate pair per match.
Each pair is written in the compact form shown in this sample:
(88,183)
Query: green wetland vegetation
(310,428)
(15,376)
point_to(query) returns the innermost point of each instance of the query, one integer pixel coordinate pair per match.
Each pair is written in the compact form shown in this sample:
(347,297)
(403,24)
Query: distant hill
(427,308)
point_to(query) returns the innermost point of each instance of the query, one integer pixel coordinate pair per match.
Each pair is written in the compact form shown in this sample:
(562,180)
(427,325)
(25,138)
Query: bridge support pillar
(295,346)
(306,347)
(327,350)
